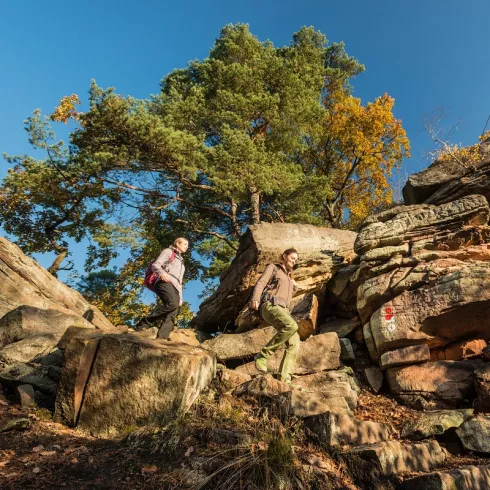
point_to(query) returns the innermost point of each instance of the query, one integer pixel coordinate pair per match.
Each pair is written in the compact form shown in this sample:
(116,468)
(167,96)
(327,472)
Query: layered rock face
(25,282)
(423,294)
(447,180)
(322,252)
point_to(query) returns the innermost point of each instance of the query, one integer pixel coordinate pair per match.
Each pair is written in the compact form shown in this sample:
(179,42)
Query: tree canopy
(252,133)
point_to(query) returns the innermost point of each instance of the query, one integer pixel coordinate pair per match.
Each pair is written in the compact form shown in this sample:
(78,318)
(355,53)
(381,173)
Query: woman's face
(182,246)
(290,260)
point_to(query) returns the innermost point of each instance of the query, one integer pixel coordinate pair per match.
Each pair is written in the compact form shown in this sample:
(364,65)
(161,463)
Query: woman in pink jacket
(170,269)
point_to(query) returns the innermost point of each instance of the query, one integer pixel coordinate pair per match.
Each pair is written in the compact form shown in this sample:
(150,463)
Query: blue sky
(425,53)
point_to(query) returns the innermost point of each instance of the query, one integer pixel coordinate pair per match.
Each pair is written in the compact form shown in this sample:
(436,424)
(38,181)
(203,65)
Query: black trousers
(163,316)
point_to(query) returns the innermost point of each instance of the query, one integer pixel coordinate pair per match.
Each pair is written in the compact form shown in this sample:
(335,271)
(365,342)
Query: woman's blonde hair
(179,240)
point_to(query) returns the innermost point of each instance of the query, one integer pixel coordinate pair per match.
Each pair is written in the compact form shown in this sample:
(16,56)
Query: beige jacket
(279,286)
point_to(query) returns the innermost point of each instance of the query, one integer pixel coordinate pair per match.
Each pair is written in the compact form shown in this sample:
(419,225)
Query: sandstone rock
(420,186)
(340,292)
(374,377)
(482,385)
(136,381)
(442,384)
(448,180)
(262,386)
(185,336)
(395,226)
(25,282)
(238,346)
(25,394)
(474,434)
(306,313)
(318,353)
(27,320)
(339,383)
(341,327)
(346,350)
(303,404)
(467,478)
(395,458)
(414,354)
(428,424)
(465,349)
(15,424)
(20,373)
(32,348)
(322,252)
(79,333)
(230,378)
(79,358)
(370,344)
(445,311)
(339,429)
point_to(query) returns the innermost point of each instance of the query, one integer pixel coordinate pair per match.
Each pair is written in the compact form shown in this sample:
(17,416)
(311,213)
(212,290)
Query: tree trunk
(55,266)
(255,204)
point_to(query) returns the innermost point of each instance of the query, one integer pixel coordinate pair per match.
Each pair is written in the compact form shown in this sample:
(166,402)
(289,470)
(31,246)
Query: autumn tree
(252,133)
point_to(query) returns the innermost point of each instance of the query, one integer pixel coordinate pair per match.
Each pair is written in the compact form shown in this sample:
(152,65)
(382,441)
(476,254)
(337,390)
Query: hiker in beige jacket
(272,297)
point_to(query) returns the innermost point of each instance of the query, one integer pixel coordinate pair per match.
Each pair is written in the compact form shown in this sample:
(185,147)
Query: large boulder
(322,252)
(25,282)
(32,334)
(131,382)
(27,320)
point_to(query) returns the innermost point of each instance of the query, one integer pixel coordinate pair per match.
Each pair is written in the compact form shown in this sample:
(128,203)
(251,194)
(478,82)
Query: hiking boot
(261,363)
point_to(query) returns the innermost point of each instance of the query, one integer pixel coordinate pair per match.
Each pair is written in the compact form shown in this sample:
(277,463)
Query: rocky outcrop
(25,282)
(322,252)
(447,179)
(423,285)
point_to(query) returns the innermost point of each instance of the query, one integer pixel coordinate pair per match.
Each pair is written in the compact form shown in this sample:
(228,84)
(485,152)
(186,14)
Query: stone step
(395,458)
(466,478)
(318,353)
(340,429)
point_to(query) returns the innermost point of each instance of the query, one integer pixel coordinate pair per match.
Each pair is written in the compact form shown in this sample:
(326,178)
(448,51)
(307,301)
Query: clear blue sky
(425,53)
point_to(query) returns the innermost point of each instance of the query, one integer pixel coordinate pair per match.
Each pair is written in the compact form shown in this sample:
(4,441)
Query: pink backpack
(151,277)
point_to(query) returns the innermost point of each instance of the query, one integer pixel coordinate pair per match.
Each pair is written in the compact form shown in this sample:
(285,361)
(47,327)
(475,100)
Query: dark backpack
(151,277)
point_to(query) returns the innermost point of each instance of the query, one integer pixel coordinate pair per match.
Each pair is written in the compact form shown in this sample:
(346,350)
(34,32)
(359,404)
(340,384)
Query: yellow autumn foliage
(362,144)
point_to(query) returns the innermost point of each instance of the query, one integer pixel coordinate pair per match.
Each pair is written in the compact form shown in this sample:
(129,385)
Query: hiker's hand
(164,277)
(254,305)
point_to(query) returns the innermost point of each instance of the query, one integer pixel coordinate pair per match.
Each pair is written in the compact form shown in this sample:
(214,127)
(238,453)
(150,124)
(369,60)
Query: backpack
(151,277)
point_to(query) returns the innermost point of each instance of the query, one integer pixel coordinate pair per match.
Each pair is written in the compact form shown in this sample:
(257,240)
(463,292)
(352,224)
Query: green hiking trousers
(287,335)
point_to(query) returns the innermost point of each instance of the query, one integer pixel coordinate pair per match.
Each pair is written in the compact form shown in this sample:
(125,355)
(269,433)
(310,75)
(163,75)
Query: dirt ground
(48,455)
